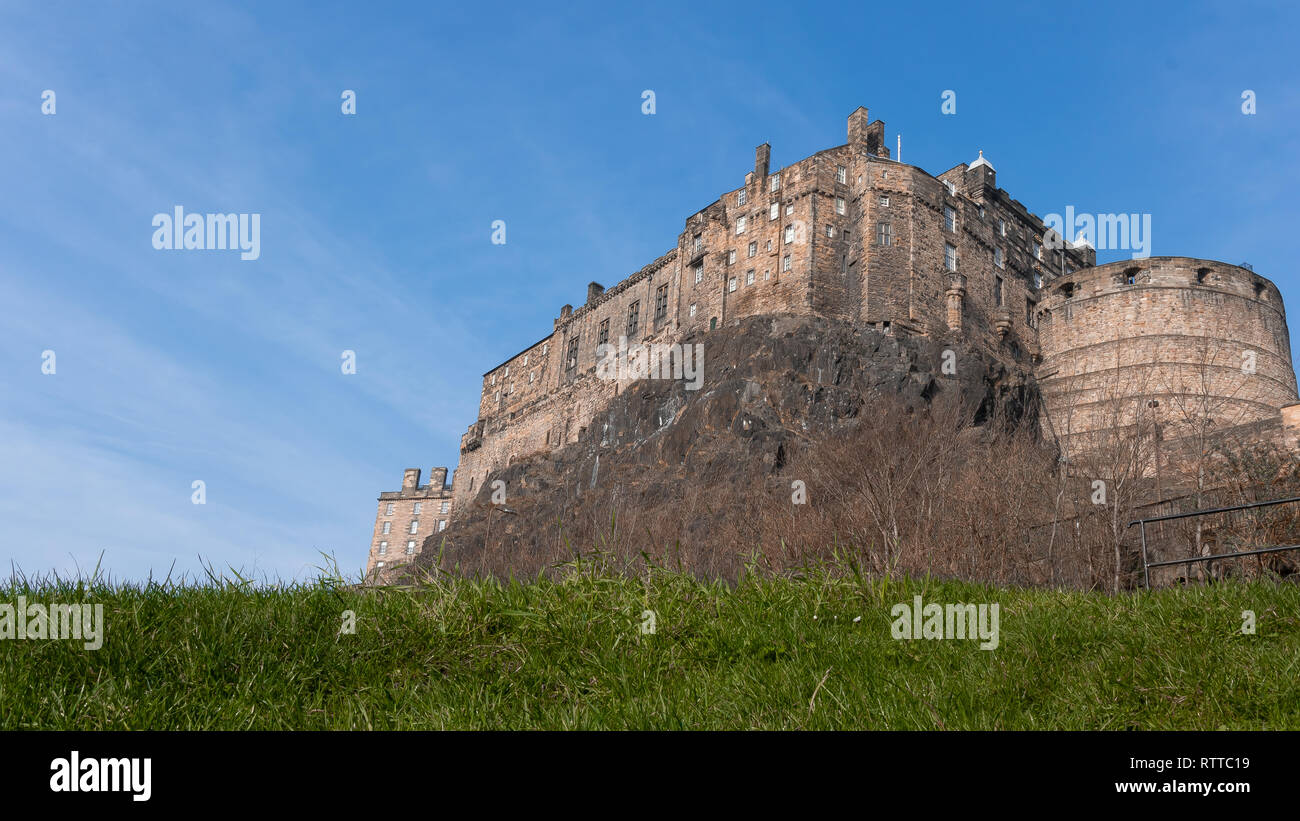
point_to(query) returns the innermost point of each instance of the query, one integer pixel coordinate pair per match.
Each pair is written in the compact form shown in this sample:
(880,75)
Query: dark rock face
(772,385)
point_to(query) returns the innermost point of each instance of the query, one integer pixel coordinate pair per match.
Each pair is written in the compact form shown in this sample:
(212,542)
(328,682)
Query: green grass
(570,654)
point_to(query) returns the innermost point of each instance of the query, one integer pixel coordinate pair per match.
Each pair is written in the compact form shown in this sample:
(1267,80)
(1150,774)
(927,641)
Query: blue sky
(375,228)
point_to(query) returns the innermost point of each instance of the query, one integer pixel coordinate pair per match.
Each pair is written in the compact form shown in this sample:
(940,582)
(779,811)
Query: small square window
(884,201)
(774,183)
(410,547)
(774,211)
(740,225)
(731,257)
(388,528)
(830,230)
(692,311)
(841,174)
(753,248)
(789,208)
(389,510)
(839,205)
(418,507)
(731,284)
(949,219)
(785,263)
(445,507)
(749,277)
(999,258)
(383,548)
(741,198)
(442,525)
(415,527)
(950,256)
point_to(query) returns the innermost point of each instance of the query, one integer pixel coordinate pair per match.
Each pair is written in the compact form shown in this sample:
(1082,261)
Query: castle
(849,233)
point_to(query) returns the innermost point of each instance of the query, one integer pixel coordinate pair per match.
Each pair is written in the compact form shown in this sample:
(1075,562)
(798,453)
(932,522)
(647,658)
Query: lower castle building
(850,233)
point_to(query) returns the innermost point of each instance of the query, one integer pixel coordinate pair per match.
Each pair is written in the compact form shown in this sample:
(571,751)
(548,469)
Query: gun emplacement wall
(1182,338)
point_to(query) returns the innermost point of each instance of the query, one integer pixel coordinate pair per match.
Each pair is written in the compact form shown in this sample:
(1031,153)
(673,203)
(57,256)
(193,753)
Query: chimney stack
(762,159)
(410,478)
(594,289)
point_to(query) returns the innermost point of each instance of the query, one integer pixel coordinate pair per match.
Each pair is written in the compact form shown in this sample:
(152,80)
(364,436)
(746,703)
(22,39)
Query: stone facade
(406,517)
(850,233)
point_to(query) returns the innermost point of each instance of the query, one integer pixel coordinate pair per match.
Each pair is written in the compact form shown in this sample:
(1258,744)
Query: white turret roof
(981,161)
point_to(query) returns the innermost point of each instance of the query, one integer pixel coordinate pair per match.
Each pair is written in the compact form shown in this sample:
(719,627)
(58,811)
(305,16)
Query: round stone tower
(1190,343)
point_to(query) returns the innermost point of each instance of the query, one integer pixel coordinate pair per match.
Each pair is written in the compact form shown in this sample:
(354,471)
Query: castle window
(731,284)
(442,525)
(692,311)
(602,333)
(507,373)
(980,211)
(633,318)
(496,397)
(494,379)
(949,256)
(415,526)
(999,259)
(830,230)
(1038,250)
(767,273)
(789,208)
(410,547)
(545,347)
(1038,280)
(731,256)
(661,304)
(388,526)
(389,510)
(713,323)
(383,548)
(699,273)
(1002,227)
(884,233)
(952,189)
(774,183)
(445,507)
(774,211)
(1201,274)
(839,205)
(525,359)
(841,174)
(571,361)
(1259,289)
(740,225)
(997,291)
(532,377)
(785,263)
(949,219)
(1030,319)
(697,243)
(769,245)
(379,565)
(884,201)
(741,197)
(753,248)
(418,507)
(749,277)
(789,234)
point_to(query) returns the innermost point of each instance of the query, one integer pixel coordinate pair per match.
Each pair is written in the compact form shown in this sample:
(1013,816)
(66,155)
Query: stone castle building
(850,233)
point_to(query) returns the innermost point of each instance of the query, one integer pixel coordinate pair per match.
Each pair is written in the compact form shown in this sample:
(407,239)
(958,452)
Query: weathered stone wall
(1199,338)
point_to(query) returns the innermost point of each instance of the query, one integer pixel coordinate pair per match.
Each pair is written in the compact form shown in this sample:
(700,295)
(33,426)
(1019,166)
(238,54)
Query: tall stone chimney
(410,478)
(437,478)
(594,289)
(762,159)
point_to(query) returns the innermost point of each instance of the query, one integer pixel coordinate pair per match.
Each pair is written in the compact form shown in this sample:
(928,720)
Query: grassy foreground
(766,653)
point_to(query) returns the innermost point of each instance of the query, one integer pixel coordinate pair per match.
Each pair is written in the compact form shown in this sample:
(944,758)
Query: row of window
(419,506)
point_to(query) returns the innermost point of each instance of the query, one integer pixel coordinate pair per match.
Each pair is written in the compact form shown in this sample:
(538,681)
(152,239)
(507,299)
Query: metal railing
(1147,564)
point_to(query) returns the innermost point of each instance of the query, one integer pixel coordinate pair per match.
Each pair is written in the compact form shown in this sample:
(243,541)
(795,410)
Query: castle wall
(1200,338)
(428,507)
